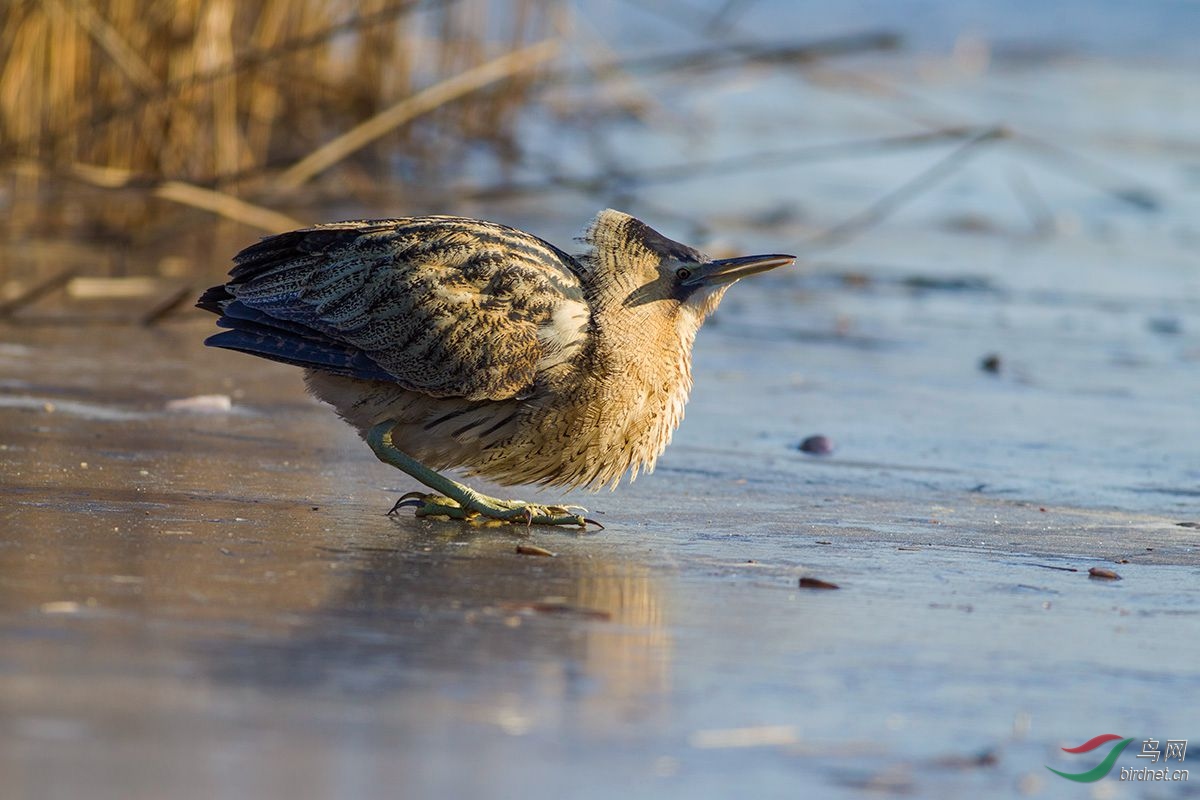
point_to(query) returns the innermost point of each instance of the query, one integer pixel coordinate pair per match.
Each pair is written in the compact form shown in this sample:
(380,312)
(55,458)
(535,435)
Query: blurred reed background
(127,128)
(115,112)
(153,139)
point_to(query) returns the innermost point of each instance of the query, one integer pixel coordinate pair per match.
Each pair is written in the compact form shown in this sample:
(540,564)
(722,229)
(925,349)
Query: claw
(410,503)
(408,500)
(587,522)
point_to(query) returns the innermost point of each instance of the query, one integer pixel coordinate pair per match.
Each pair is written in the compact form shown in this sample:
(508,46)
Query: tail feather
(238,315)
(279,346)
(214,299)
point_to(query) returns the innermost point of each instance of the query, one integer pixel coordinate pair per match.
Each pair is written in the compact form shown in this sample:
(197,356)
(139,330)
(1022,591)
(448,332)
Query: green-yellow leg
(456,501)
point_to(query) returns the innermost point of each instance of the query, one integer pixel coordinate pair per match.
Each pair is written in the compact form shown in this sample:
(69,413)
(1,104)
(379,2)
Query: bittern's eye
(683,273)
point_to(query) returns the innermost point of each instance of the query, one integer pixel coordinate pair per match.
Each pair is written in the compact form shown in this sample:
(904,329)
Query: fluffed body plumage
(490,349)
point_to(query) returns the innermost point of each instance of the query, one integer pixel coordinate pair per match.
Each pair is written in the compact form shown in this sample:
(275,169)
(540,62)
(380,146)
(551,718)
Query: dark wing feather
(443,305)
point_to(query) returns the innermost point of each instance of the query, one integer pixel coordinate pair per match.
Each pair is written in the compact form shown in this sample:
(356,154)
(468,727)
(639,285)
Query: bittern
(455,343)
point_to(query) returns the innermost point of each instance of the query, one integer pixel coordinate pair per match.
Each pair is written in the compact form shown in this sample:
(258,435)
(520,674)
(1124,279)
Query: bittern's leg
(459,501)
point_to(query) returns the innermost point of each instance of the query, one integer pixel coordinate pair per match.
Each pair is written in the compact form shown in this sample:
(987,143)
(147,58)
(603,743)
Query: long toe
(481,510)
(552,515)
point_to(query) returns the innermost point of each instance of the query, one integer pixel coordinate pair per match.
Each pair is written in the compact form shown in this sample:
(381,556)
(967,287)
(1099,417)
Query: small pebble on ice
(817,445)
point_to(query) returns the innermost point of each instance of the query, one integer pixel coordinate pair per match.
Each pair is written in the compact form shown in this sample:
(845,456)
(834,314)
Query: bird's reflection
(512,639)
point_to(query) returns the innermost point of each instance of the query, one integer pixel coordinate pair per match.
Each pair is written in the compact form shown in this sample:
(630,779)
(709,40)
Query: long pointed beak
(728,270)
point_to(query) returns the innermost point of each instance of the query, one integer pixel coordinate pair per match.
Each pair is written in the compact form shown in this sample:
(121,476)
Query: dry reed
(205,102)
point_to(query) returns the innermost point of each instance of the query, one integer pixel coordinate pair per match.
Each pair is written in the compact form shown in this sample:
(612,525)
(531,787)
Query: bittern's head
(634,266)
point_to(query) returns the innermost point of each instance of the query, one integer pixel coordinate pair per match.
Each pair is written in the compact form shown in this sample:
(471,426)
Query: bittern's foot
(490,511)
(457,501)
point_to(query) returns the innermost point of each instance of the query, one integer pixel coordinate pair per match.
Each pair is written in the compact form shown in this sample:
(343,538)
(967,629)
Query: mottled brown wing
(443,305)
